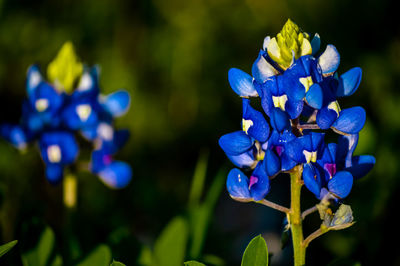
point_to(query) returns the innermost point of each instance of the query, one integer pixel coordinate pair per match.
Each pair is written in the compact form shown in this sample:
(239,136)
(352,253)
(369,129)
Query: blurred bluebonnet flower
(71,103)
(299,90)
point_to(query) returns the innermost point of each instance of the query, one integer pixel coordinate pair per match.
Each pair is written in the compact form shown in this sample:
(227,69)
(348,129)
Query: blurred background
(173,57)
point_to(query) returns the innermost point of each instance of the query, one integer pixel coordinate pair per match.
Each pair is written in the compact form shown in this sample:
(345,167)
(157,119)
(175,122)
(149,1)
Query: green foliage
(201,213)
(41,253)
(170,247)
(6,247)
(116,263)
(101,255)
(256,253)
(193,263)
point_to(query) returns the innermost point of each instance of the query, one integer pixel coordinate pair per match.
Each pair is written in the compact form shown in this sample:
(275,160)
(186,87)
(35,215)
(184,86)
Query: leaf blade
(256,253)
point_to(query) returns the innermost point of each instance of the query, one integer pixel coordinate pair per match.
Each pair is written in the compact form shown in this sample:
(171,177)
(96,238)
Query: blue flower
(52,117)
(245,189)
(299,93)
(58,149)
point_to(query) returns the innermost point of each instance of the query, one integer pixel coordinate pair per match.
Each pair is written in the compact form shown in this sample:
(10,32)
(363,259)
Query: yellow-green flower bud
(65,69)
(288,45)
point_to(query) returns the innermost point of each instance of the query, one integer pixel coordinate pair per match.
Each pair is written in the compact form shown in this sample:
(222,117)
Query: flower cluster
(55,111)
(299,90)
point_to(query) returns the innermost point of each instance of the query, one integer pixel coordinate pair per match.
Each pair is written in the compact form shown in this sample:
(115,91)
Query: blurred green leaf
(40,255)
(170,247)
(256,253)
(101,255)
(6,247)
(200,216)
(146,256)
(199,177)
(193,263)
(117,263)
(210,259)
(58,261)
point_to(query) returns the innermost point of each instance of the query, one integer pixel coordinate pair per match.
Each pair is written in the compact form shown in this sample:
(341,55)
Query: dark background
(173,57)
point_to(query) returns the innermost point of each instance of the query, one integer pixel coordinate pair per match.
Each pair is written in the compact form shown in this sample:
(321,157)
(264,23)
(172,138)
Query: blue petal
(361,165)
(287,162)
(46,98)
(346,146)
(349,82)
(116,175)
(351,120)
(254,122)
(117,103)
(312,142)
(266,97)
(329,154)
(241,83)
(261,69)
(15,135)
(326,117)
(99,160)
(58,147)
(294,150)
(315,43)
(314,96)
(244,160)
(80,114)
(261,187)
(237,185)
(279,119)
(88,84)
(341,184)
(235,143)
(34,78)
(294,107)
(54,173)
(272,163)
(312,178)
(329,60)
(117,140)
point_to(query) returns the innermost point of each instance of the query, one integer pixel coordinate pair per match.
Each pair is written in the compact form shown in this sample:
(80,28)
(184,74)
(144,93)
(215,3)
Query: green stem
(70,186)
(295,218)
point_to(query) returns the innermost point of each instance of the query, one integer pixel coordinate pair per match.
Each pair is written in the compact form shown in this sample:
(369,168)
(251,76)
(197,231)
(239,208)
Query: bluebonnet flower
(55,111)
(299,92)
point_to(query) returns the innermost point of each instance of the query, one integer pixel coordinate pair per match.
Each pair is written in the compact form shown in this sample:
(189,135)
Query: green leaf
(200,216)
(199,177)
(116,263)
(194,263)
(58,261)
(256,253)
(146,256)
(170,247)
(40,254)
(101,255)
(65,69)
(6,247)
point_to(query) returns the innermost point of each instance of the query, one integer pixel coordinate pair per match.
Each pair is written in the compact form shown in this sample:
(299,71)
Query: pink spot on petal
(279,150)
(253,180)
(107,159)
(331,168)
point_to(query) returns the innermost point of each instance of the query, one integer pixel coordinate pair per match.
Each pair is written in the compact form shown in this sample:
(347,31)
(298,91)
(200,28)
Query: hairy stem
(274,205)
(313,236)
(295,219)
(308,211)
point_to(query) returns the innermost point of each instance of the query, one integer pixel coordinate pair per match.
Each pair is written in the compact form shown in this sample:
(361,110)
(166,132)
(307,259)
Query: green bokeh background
(173,57)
